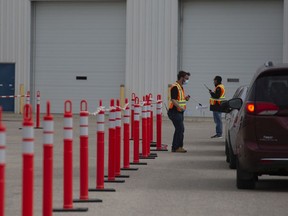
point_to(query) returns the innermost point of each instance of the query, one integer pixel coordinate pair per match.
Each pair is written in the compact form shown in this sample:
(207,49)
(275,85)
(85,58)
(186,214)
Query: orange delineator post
(136,139)
(132,115)
(2,164)
(28,161)
(84,154)
(68,161)
(48,141)
(38,110)
(100,152)
(112,146)
(126,134)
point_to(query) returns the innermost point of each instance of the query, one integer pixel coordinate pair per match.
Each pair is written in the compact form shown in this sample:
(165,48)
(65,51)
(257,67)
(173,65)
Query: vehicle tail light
(261,108)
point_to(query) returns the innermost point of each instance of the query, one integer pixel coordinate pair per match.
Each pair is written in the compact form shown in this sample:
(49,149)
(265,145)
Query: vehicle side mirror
(235,103)
(229,105)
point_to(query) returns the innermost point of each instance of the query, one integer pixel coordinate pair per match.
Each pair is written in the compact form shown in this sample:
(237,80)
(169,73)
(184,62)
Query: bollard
(38,111)
(150,98)
(118,142)
(132,115)
(68,162)
(48,141)
(111,139)
(159,146)
(136,133)
(100,152)
(126,151)
(145,135)
(2,164)
(28,97)
(84,155)
(28,161)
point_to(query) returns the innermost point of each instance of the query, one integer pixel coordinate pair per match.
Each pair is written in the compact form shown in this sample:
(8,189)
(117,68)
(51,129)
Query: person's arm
(216,94)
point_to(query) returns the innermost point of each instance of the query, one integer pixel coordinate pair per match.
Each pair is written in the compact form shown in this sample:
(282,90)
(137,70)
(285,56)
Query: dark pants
(178,121)
(218,121)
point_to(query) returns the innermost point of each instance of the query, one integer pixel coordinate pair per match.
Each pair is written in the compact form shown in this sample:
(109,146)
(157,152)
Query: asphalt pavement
(198,182)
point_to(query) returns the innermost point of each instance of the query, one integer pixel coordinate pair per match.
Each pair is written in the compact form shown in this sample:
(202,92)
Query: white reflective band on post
(148,113)
(84,126)
(101,118)
(28,133)
(68,122)
(112,120)
(83,131)
(100,127)
(48,126)
(126,120)
(144,112)
(2,156)
(159,108)
(68,134)
(118,119)
(48,139)
(28,147)
(48,130)
(83,121)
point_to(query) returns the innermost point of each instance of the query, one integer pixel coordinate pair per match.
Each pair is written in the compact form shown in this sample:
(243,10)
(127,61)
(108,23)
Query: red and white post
(145,134)
(38,110)
(48,141)
(149,125)
(2,165)
(84,154)
(68,161)
(112,145)
(28,161)
(136,124)
(132,115)
(100,152)
(28,97)
(159,145)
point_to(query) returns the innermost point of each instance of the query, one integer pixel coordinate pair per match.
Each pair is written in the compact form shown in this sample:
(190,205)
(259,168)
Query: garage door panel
(79,39)
(228,38)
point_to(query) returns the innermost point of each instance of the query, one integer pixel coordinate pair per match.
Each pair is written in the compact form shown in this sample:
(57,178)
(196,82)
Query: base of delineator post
(129,169)
(147,158)
(86,201)
(102,190)
(120,176)
(70,210)
(138,163)
(114,181)
(151,155)
(162,149)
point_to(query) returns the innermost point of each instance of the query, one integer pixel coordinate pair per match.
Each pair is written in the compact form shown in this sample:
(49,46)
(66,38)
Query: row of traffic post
(141,112)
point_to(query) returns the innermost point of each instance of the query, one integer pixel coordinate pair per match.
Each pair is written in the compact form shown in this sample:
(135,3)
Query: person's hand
(210,90)
(187,98)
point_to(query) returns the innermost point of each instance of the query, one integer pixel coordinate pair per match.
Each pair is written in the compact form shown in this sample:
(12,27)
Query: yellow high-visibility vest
(181,97)
(213,101)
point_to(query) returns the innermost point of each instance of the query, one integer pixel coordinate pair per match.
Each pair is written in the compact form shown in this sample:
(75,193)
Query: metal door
(7,86)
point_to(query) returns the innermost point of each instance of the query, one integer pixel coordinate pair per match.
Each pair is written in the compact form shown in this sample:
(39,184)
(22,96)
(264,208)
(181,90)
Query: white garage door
(230,38)
(79,52)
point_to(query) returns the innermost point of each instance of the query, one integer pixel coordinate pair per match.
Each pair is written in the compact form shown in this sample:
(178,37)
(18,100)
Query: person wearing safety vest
(217,97)
(177,106)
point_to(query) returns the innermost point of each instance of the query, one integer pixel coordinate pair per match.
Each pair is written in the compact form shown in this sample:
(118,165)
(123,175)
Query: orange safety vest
(181,97)
(213,101)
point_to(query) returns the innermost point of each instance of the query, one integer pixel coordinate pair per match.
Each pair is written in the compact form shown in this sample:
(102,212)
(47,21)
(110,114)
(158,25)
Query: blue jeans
(177,119)
(218,121)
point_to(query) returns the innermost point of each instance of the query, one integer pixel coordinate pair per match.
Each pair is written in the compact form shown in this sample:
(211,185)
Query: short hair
(218,78)
(182,74)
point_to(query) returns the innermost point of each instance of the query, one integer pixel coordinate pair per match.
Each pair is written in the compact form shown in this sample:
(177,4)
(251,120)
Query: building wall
(15,39)
(151,51)
(152,36)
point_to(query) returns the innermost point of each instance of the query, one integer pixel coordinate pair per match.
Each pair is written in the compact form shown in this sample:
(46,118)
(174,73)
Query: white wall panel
(15,39)
(152,34)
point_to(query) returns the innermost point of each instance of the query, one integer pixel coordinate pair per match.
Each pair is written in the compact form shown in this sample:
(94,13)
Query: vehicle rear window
(273,88)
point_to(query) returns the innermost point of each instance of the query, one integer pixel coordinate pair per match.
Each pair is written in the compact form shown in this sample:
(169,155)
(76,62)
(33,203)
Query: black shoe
(216,136)
(173,150)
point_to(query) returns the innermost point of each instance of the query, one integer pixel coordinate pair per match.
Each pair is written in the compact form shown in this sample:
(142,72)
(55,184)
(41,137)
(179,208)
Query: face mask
(185,82)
